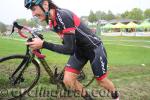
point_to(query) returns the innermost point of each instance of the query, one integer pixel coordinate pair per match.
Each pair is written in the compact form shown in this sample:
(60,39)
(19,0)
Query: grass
(128,57)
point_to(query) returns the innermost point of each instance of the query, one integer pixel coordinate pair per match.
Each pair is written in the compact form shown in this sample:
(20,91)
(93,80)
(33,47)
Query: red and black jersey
(81,46)
(65,21)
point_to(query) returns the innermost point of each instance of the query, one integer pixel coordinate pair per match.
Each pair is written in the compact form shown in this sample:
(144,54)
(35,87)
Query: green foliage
(33,22)
(2,28)
(125,14)
(25,22)
(22,21)
(135,13)
(147,13)
(92,17)
(110,15)
(101,15)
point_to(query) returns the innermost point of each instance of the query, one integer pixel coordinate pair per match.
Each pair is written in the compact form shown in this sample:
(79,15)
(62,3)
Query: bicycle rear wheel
(9,87)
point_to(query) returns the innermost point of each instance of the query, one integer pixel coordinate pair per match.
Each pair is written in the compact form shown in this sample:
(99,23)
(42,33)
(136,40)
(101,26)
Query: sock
(115,95)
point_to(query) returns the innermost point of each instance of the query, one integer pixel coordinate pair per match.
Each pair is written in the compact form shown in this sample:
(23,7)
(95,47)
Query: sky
(11,10)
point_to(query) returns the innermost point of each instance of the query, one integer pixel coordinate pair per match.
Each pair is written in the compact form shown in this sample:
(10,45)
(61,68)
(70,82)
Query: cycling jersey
(65,22)
(79,42)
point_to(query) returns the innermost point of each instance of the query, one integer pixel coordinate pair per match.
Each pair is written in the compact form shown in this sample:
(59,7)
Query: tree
(92,17)
(22,21)
(136,14)
(3,28)
(101,15)
(147,13)
(32,22)
(110,15)
(125,14)
(118,16)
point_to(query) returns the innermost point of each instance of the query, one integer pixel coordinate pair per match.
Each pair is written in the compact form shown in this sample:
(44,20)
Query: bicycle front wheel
(13,84)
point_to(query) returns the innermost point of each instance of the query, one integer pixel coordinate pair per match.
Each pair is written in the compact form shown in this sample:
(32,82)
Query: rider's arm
(66,48)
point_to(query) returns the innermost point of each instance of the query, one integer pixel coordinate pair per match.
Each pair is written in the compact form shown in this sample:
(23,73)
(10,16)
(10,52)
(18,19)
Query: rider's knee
(102,81)
(68,80)
(69,77)
(102,78)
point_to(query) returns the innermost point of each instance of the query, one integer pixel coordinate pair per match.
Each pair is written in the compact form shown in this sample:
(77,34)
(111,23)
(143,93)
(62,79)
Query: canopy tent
(131,25)
(107,26)
(119,25)
(144,24)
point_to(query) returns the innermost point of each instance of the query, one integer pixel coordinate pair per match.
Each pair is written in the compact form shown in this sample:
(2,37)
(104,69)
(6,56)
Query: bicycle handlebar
(32,32)
(19,27)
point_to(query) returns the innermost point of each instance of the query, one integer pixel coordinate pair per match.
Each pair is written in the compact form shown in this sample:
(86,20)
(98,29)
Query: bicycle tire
(17,58)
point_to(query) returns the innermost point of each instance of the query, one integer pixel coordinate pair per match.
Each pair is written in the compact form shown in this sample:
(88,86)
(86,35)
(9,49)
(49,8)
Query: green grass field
(128,57)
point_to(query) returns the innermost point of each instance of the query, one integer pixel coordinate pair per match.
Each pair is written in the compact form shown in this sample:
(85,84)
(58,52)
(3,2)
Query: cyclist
(78,41)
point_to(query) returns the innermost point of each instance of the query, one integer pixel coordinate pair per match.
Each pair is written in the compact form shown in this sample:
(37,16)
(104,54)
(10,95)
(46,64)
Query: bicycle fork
(20,69)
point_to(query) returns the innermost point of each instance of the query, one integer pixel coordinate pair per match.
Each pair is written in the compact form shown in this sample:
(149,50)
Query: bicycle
(26,69)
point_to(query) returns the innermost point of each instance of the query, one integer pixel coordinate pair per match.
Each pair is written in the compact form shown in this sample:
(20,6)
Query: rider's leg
(98,60)
(72,69)
(70,80)
(108,85)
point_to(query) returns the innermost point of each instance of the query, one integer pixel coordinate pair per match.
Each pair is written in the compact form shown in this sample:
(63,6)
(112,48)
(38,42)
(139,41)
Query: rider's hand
(35,44)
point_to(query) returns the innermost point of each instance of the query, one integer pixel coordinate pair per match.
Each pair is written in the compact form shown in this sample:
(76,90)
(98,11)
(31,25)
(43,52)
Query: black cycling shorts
(97,58)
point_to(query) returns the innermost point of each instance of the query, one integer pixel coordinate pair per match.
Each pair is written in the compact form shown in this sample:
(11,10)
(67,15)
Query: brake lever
(15,24)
